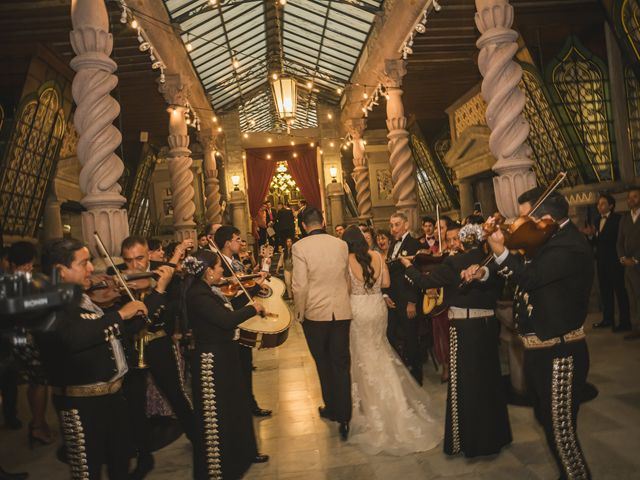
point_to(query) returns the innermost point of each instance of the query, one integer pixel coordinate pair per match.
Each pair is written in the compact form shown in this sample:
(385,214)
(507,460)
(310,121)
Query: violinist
(225,444)
(160,353)
(85,364)
(477,421)
(227,239)
(552,291)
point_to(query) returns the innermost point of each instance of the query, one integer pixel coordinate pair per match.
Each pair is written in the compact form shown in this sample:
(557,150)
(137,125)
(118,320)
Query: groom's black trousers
(329,346)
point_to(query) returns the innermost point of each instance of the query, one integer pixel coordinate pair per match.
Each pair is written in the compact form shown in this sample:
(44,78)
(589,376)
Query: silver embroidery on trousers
(561,413)
(176,354)
(75,442)
(210,414)
(453,386)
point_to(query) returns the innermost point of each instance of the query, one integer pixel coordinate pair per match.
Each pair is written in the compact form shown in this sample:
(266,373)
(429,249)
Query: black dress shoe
(143,467)
(344,430)
(602,325)
(261,412)
(260,458)
(4,475)
(324,413)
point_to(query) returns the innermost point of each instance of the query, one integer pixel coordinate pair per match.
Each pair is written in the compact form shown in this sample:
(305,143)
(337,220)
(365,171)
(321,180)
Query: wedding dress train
(391,412)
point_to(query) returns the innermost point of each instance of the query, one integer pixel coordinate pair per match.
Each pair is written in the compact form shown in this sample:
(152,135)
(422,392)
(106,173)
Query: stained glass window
(627,16)
(633,111)
(580,86)
(139,198)
(29,161)
(433,186)
(549,147)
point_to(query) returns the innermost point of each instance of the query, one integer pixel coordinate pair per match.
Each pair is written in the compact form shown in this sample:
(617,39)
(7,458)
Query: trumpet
(142,339)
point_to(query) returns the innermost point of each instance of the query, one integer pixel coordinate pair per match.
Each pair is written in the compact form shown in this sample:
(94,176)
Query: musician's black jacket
(78,350)
(400,291)
(163,307)
(447,274)
(553,287)
(211,321)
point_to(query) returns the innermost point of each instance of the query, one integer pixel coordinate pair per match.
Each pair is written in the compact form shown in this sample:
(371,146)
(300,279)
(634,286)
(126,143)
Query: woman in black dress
(225,444)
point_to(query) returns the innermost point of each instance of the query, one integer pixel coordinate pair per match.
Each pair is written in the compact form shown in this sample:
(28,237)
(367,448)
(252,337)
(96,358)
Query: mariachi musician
(228,241)
(225,443)
(155,349)
(477,421)
(550,306)
(85,363)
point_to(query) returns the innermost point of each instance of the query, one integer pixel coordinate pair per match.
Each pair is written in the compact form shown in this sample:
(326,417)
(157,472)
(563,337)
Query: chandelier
(282,182)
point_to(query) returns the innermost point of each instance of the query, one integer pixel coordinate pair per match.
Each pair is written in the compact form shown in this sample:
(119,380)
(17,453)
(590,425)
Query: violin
(230,289)
(106,290)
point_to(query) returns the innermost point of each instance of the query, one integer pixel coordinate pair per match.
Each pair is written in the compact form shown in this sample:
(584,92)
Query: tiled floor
(302,446)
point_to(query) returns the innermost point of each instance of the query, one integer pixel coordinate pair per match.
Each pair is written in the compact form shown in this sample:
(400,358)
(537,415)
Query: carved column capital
(394,72)
(175,89)
(356,127)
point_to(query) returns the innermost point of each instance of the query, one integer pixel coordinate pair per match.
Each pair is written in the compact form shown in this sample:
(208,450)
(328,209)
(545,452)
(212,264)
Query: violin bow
(118,275)
(214,248)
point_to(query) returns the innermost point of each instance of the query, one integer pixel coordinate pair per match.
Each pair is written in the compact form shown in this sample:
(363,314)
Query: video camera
(28,303)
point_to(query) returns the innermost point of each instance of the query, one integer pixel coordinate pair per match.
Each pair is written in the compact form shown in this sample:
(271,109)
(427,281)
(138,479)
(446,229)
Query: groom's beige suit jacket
(320,281)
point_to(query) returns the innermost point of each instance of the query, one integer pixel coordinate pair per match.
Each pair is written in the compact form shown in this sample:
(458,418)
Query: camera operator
(85,364)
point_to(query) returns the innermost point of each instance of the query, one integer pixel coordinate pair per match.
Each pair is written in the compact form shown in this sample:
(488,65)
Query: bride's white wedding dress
(390,410)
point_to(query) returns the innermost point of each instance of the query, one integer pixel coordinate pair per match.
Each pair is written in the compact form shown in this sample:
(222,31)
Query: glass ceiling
(238,44)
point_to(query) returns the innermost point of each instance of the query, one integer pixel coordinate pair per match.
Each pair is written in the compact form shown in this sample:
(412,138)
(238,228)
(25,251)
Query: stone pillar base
(111,224)
(508,187)
(238,211)
(186,232)
(335,193)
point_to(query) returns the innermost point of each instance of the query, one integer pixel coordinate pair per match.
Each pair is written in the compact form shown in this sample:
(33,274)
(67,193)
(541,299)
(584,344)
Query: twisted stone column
(213,209)
(175,92)
(400,157)
(356,127)
(98,138)
(509,129)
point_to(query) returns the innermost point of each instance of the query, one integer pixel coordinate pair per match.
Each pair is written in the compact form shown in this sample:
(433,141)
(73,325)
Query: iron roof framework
(318,42)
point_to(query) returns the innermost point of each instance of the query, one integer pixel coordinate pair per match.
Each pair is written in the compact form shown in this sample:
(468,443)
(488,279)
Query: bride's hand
(390,303)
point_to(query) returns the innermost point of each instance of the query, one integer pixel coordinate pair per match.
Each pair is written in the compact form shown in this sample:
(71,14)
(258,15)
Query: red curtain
(260,169)
(304,170)
(259,175)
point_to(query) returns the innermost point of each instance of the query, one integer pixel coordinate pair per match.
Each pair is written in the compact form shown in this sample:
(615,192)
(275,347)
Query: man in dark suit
(604,237)
(301,209)
(402,297)
(285,224)
(629,257)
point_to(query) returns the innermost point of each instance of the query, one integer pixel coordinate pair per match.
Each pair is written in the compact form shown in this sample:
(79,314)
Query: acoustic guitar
(272,330)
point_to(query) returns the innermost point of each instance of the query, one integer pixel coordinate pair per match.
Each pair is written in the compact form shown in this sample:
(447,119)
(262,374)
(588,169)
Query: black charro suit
(551,300)
(477,421)
(610,271)
(83,350)
(402,332)
(162,356)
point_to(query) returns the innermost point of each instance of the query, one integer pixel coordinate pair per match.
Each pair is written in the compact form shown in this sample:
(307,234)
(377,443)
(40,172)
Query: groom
(321,293)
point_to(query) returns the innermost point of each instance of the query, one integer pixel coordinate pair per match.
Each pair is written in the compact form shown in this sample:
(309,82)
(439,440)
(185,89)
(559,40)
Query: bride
(390,410)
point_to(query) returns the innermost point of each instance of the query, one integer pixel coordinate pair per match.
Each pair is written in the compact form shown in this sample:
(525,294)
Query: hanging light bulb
(365,95)
(219,129)
(235,62)
(268,156)
(312,144)
(189,46)
(246,135)
(329,116)
(215,119)
(295,155)
(339,91)
(274,76)
(331,144)
(134,23)
(292,143)
(252,122)
(309,85)
(269,140)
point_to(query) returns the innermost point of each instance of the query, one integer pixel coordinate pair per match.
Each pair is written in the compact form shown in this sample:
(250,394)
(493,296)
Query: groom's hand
(390,303)
(411,310)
